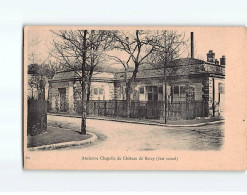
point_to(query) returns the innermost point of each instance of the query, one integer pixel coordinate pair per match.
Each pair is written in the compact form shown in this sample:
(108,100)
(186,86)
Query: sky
(205,39)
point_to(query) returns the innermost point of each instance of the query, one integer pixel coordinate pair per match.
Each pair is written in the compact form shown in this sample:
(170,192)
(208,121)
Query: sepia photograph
(123,96)
(130,89)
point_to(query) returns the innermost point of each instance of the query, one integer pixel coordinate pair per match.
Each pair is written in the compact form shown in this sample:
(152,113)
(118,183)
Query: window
(141,90)
(182,89)
(149,89)
(190,93)
(150,97)
(161,89)
(123,93)
(183,93)
(155,97)
(152,93)
(155,89)
(176,89)
(221,88)
(101,91)
(95,91)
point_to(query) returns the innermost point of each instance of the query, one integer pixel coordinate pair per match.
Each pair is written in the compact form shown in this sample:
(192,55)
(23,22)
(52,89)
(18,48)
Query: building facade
(65,90)
(191,84)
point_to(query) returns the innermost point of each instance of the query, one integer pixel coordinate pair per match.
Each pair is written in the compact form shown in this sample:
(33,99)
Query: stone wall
(211,94)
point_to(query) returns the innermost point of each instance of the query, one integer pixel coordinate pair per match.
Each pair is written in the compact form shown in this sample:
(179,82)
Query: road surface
(138,137)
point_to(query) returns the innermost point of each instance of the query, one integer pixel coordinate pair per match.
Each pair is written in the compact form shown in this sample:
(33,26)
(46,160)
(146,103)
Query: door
(153,105)
(152,92)
(62,93)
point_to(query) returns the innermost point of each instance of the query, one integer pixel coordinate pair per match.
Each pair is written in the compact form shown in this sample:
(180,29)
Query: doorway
(62,94)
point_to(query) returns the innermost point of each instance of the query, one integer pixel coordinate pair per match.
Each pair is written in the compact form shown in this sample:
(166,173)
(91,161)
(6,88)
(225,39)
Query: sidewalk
(174,123)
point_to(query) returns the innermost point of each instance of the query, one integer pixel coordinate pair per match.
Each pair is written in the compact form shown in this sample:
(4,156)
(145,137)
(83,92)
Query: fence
(145,109)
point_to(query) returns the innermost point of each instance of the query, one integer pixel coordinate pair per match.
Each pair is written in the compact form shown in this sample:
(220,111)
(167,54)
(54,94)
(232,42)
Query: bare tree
(171,46)
(33,82)
(39,67)
(99,42)
(136,46)
(80,51)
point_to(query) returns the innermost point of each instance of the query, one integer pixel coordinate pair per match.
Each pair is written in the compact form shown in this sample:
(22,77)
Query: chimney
(192,44)
(223,61)
(211,56)
(217,62)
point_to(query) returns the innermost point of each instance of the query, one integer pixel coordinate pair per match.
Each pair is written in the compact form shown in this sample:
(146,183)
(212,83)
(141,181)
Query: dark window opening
(152,93)
(176,89)
(150,97)
(161,90)
(101,91)
(155,89)
(156,97)
(141,89)
(149,89)
(182,89)
(95,91)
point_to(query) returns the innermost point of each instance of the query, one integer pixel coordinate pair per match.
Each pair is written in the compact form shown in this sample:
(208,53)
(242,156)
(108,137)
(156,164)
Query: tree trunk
(84,109)
(88,95)
(83,87)
(128,87)
(128,91)
(128,101)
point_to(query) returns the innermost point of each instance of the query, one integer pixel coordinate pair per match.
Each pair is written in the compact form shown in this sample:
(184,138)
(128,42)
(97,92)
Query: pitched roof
(175,67)
(185,61)
(151,71)
(70,75)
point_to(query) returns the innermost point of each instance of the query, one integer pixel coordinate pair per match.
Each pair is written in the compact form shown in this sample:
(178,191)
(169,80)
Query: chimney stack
(217,62)
(211,56)
(192,44)
(223,61)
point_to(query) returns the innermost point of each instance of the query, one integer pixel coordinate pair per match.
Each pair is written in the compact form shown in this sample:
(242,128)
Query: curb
(160,124)
(144,123)
(66,144)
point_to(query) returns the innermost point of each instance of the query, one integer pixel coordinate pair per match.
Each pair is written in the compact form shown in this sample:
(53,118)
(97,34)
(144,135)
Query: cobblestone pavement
(132,137)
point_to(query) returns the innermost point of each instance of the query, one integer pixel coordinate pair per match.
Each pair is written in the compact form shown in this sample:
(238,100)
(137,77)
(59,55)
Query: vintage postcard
(134,98)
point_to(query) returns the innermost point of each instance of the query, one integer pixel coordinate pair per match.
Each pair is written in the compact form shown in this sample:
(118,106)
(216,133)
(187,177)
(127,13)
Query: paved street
(129,137)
